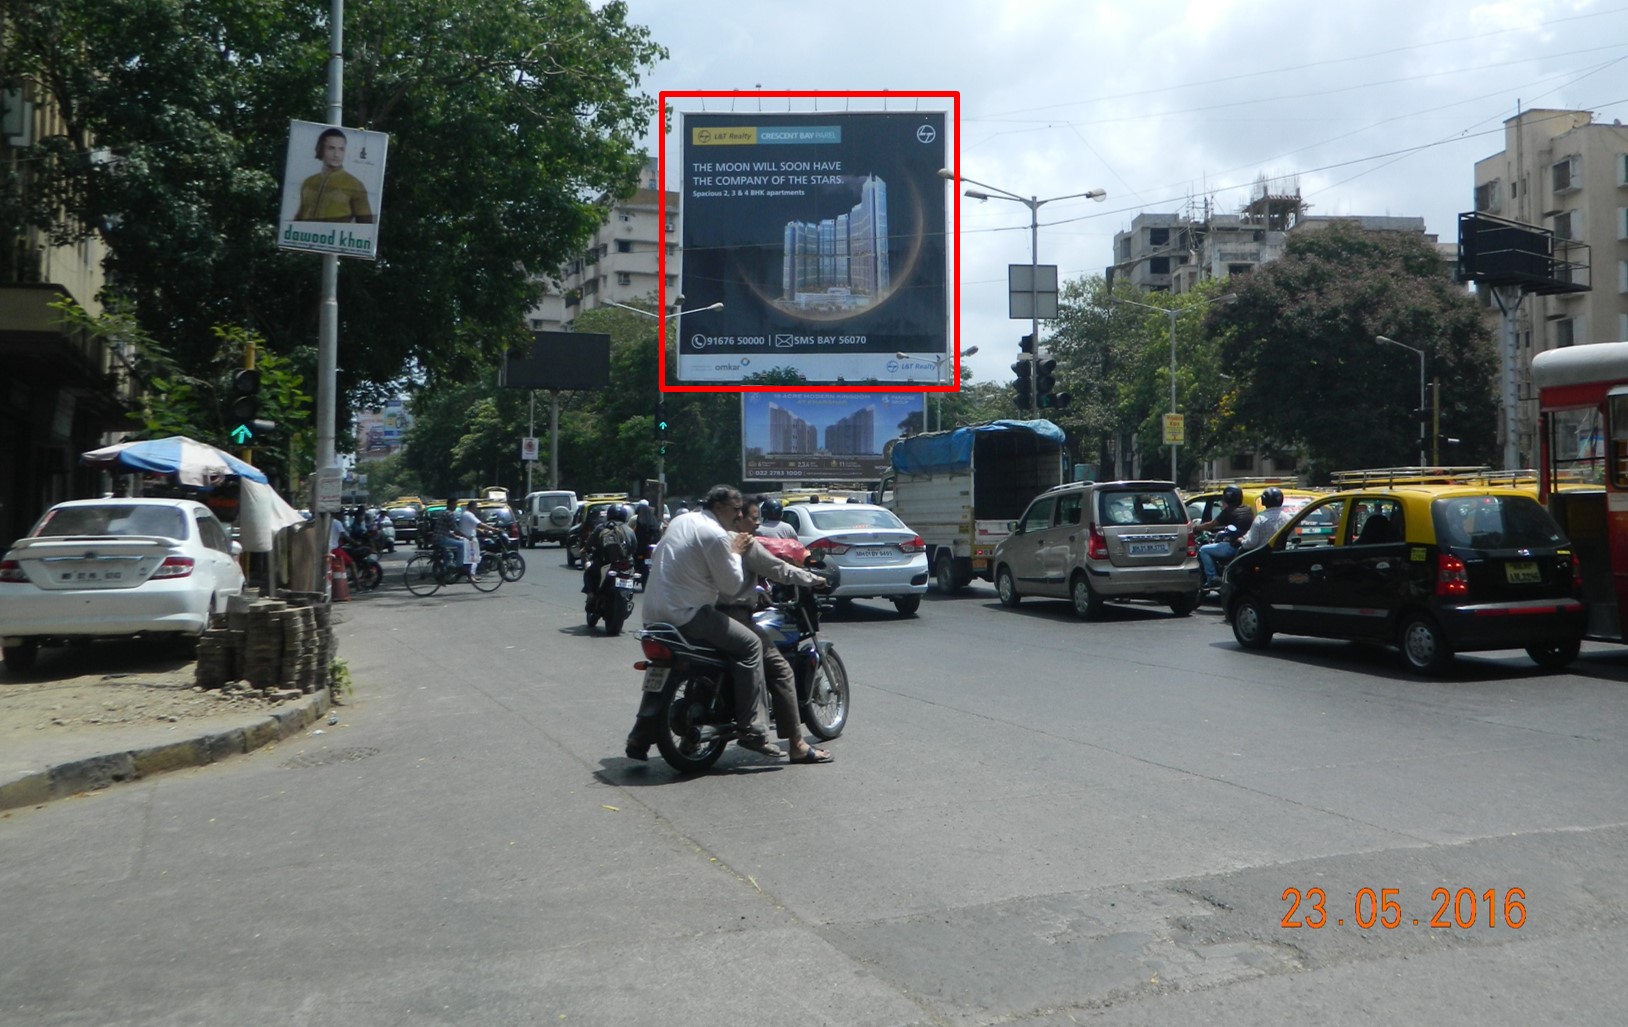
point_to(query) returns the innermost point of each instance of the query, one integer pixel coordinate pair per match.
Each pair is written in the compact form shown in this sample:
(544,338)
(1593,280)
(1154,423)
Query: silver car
(878,555)
(109,567)
(1090,542)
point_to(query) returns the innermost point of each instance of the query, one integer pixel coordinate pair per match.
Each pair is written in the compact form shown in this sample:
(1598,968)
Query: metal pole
(1172,313)
(1423,404)
(1034,284)
(553,438)
(328,323)
(531,432)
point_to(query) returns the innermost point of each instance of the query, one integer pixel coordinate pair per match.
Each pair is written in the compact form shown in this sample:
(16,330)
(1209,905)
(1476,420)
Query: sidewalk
(75,754)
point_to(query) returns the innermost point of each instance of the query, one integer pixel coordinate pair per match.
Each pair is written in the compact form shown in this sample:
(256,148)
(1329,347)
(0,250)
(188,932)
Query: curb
(95,772)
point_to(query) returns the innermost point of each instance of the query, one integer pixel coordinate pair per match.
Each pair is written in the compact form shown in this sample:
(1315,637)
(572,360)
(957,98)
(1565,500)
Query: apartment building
(620,264)
(1563,171)
(62,392)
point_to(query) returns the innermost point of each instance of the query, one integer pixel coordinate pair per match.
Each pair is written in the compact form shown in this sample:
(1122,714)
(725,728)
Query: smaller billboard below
(823,436)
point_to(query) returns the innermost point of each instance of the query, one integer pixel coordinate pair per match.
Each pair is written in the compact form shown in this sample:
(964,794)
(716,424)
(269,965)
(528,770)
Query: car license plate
(655,677)
(873,552)
(1522,573)
(627,583)
(1149,548)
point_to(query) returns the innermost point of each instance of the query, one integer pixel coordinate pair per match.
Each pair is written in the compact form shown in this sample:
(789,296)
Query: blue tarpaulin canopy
(193,463)
(952,450)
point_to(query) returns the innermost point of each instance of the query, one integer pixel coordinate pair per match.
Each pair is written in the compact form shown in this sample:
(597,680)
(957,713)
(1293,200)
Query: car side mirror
(235,548)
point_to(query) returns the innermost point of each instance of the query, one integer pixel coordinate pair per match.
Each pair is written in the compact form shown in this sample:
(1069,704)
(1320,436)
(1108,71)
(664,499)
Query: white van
(546,517)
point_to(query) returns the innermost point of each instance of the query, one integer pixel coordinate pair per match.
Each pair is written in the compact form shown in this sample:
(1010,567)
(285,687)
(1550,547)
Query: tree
(1299,342)
(507,119)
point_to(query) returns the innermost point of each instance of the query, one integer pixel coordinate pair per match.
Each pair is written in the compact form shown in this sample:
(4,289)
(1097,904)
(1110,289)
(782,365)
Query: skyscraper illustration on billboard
(839,264)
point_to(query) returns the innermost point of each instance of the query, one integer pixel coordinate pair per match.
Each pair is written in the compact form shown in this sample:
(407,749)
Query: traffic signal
(246,422)
(1026,344)
(661,424)
(1022,387)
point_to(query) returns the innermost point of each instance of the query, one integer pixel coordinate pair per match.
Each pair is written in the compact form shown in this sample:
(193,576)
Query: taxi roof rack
(1280,480)
(1433,476)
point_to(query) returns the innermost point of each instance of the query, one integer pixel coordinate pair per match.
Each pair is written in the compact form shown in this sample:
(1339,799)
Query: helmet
(771,509)
(644,503)
(617,513)
(1272,497)
(1232,494)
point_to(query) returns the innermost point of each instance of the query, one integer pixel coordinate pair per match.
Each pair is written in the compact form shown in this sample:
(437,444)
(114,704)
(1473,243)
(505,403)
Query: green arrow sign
(241,435)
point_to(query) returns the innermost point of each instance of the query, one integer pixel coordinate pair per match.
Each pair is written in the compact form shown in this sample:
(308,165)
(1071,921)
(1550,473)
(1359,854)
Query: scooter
(612,600)
(688,693)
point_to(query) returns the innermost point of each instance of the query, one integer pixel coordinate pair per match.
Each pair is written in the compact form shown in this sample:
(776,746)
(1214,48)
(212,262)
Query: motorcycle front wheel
(683,704)
(826,712)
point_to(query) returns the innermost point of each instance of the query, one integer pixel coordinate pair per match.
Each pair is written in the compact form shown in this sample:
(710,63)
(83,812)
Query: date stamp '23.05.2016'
(1461,908)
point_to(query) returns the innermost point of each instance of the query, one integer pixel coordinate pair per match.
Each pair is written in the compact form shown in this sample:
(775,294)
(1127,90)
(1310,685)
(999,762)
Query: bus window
(1577,446)
(1619,441)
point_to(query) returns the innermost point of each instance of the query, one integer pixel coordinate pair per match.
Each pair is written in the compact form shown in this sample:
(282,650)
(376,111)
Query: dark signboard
(560,360)
(824,237)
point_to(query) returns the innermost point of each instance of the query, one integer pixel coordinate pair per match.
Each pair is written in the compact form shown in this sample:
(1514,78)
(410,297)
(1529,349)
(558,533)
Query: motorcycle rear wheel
(368,576)
(614,616)
(826,712)
(678,710)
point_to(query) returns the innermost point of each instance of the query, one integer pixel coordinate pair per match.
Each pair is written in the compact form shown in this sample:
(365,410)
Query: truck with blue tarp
(961,489)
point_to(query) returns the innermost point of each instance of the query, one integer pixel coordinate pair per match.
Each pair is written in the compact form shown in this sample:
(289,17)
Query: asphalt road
(1030,820)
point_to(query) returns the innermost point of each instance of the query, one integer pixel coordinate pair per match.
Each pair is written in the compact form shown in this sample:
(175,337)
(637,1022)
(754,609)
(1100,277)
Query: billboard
(382,431)
(559,360)
(824,236)
(823,436)
(333,185)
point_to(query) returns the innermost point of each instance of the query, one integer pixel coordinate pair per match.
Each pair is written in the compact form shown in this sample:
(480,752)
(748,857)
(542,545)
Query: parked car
(880,557)
(1090,542)
(546,517)
(499,515)
(114,567)
(1431,569)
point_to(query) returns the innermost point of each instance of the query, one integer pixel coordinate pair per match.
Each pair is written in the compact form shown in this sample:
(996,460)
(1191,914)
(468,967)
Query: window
(1622,222)
(1068,508)
(1565,175)
(1243,462)
(1317,526)
(1038,517)
(1376,522)
(624,217)
(1158,237)
(590,287)
(1565,332)
(1563,225)
(1622,169)
(672,248)
(624,278)
(624,246)
(536,324)
(1159,266)
(1486,197)
(1622,276)
(1240,269)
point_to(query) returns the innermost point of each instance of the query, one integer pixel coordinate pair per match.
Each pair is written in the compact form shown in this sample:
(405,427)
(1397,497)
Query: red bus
(1583,477)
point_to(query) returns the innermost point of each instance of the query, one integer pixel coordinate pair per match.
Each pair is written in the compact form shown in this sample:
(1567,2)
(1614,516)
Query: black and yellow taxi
(1431,568)
(589,513)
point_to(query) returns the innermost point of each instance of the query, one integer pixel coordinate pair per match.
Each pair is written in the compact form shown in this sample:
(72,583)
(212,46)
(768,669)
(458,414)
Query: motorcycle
(362,567)
(1221,562)
(612,600)
(510,563)
(688,692)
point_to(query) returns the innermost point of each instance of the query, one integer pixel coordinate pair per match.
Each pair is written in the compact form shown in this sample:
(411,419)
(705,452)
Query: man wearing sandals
(759,562)
(697,561)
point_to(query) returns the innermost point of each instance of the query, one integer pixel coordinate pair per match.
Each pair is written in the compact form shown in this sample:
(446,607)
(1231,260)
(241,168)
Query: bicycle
(443,565)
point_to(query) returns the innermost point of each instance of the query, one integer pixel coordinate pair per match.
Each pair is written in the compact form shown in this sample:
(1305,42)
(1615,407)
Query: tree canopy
(510,122)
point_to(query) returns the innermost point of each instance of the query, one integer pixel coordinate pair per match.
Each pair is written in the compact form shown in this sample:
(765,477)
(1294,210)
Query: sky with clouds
(1371,107)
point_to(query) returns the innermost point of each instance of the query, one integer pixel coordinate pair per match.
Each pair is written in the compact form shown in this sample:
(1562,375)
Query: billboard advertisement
(824,237)
(333,185)
(382,431)
(823,436)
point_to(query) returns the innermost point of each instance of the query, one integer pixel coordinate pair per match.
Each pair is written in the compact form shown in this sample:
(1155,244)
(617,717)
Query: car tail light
(174,567)
(11,570)
(655,650)
(1096,544)
(514,530)
(915,545)
(1451,580)
(823,547)
(1192,542)
(1576,575)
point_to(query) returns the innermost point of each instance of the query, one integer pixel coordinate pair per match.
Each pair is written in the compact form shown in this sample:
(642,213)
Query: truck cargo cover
(952,450)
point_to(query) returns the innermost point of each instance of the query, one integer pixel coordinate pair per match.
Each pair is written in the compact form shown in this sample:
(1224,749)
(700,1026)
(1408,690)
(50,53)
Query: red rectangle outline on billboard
(953,95)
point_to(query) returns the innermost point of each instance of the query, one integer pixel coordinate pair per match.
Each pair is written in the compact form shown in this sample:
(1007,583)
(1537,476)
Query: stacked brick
(281,647)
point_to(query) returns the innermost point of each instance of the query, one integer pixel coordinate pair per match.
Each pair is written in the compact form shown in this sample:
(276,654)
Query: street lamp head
(1378,339)
(975,194)
(716,306)
(1097,194)
(946,173)
(969,351)
(902,355)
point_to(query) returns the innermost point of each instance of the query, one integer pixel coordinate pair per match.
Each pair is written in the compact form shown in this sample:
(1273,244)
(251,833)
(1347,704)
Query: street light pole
(1034,203)
(1172,313)
(1388,341)
(938,378)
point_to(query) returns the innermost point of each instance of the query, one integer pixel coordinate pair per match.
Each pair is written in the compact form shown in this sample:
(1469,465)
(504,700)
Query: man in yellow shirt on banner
(333,194)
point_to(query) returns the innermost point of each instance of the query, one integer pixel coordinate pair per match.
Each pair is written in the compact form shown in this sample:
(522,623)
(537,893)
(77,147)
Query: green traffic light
(241,434)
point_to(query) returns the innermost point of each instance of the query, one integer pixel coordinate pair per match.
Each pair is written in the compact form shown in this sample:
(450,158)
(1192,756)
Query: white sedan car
(96,568)
(878,555)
